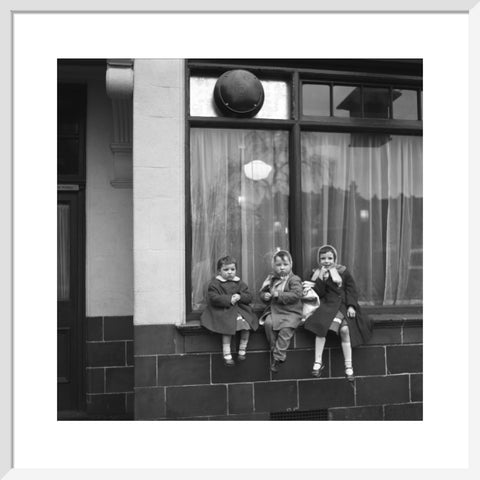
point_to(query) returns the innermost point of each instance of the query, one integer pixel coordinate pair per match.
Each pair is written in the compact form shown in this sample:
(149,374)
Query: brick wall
(179,374)
(109,367)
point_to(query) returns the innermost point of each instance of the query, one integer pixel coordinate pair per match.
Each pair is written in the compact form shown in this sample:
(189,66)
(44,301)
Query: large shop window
(333,156)
(360,192)
(363,194)
(239,202)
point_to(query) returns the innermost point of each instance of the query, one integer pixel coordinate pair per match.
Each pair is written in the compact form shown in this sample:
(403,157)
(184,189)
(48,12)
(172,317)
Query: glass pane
(276,103)
(239,202)
(63,252)
(363,194)
(67,156)
(316,100)
(376,102)
(346,101)
(405,105)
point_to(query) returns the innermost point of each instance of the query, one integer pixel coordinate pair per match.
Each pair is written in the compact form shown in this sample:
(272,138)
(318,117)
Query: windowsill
(382,320)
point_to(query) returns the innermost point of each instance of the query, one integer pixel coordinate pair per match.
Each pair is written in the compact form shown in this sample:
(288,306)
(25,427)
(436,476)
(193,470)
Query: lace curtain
(363,194)
(233,214)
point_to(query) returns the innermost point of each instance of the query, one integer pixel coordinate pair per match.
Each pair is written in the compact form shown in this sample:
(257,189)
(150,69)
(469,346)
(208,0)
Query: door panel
(69,307)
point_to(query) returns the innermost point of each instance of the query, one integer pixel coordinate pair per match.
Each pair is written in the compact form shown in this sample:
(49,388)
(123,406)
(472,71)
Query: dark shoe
(349,376)
(242,355)
(229,362)
(275,365)
(317,372)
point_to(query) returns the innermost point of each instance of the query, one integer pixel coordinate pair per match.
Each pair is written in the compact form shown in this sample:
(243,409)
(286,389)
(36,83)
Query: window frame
(296,76)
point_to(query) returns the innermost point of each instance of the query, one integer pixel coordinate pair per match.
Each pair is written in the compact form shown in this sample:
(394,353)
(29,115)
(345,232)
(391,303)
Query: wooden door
(70,338)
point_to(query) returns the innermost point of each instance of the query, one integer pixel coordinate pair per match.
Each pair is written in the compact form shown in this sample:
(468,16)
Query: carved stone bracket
(119,83)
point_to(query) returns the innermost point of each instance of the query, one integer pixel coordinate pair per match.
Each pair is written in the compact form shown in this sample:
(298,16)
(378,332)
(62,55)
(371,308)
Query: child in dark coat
(228,309)
(282,292)
(339,310)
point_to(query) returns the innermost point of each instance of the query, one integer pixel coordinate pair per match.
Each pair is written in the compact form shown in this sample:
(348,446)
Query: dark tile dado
(119,379)
(325,393)
(95,380)
(145,371)
(407,411)
(111,354)
(202,342)
(382,390)
(405,358)
(416,387)
(366,361)
(130,361)
(118,328)
(255,368)
(183,369)
(108,404)
(240,398)
(94,329)
(412,334)
(275,396)
(384,335)
(149,403)
(196,401)
(154,339)
(299,364)
(356,413)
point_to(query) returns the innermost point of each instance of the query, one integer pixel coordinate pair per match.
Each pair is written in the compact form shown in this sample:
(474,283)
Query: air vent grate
(300,415)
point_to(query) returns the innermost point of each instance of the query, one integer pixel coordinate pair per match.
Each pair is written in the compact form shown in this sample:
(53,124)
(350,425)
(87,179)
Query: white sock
(319,346)
(226,339)
(347,355)
(242,347)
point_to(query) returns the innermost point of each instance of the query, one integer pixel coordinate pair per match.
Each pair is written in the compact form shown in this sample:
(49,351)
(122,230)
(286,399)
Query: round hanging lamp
(239,93)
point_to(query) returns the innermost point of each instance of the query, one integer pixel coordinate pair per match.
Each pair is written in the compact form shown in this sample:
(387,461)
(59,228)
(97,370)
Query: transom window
(343,166)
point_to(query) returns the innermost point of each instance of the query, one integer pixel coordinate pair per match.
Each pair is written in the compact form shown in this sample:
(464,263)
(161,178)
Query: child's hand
(351,312)
(275,294)
(235,298)
(267,296)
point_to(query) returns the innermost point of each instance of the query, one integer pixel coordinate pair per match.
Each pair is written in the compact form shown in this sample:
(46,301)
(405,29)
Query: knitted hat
(283,253)
(327,248)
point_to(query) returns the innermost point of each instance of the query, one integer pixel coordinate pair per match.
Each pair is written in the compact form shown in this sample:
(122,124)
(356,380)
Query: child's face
(228,271)
(281,266)
(327,259)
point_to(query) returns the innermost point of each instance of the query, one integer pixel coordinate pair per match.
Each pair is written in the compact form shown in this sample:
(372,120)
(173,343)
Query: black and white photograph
(293,289)
(247,215)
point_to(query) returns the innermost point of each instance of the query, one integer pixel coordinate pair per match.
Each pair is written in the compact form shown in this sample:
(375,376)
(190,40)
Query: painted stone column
(158,168)
(159,223)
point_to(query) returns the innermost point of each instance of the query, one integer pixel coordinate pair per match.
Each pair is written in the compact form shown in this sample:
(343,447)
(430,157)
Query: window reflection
(316,100)
(239,202)
(405,105)
(366,199)
(346,101)
(376,102)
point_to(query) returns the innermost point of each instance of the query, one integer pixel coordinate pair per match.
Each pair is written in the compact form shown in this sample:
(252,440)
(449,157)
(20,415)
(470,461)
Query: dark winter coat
(287,308)
(334,298)
(220,315)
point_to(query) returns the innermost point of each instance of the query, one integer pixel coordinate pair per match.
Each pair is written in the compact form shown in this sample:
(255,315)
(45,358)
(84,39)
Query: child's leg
(281,345)
(318,364)
(269,332)
(319,346)
(347,350)
(242,348)
(244,336)
(227,354)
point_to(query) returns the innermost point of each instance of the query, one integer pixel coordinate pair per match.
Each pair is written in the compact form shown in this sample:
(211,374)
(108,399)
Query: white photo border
(8,243)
